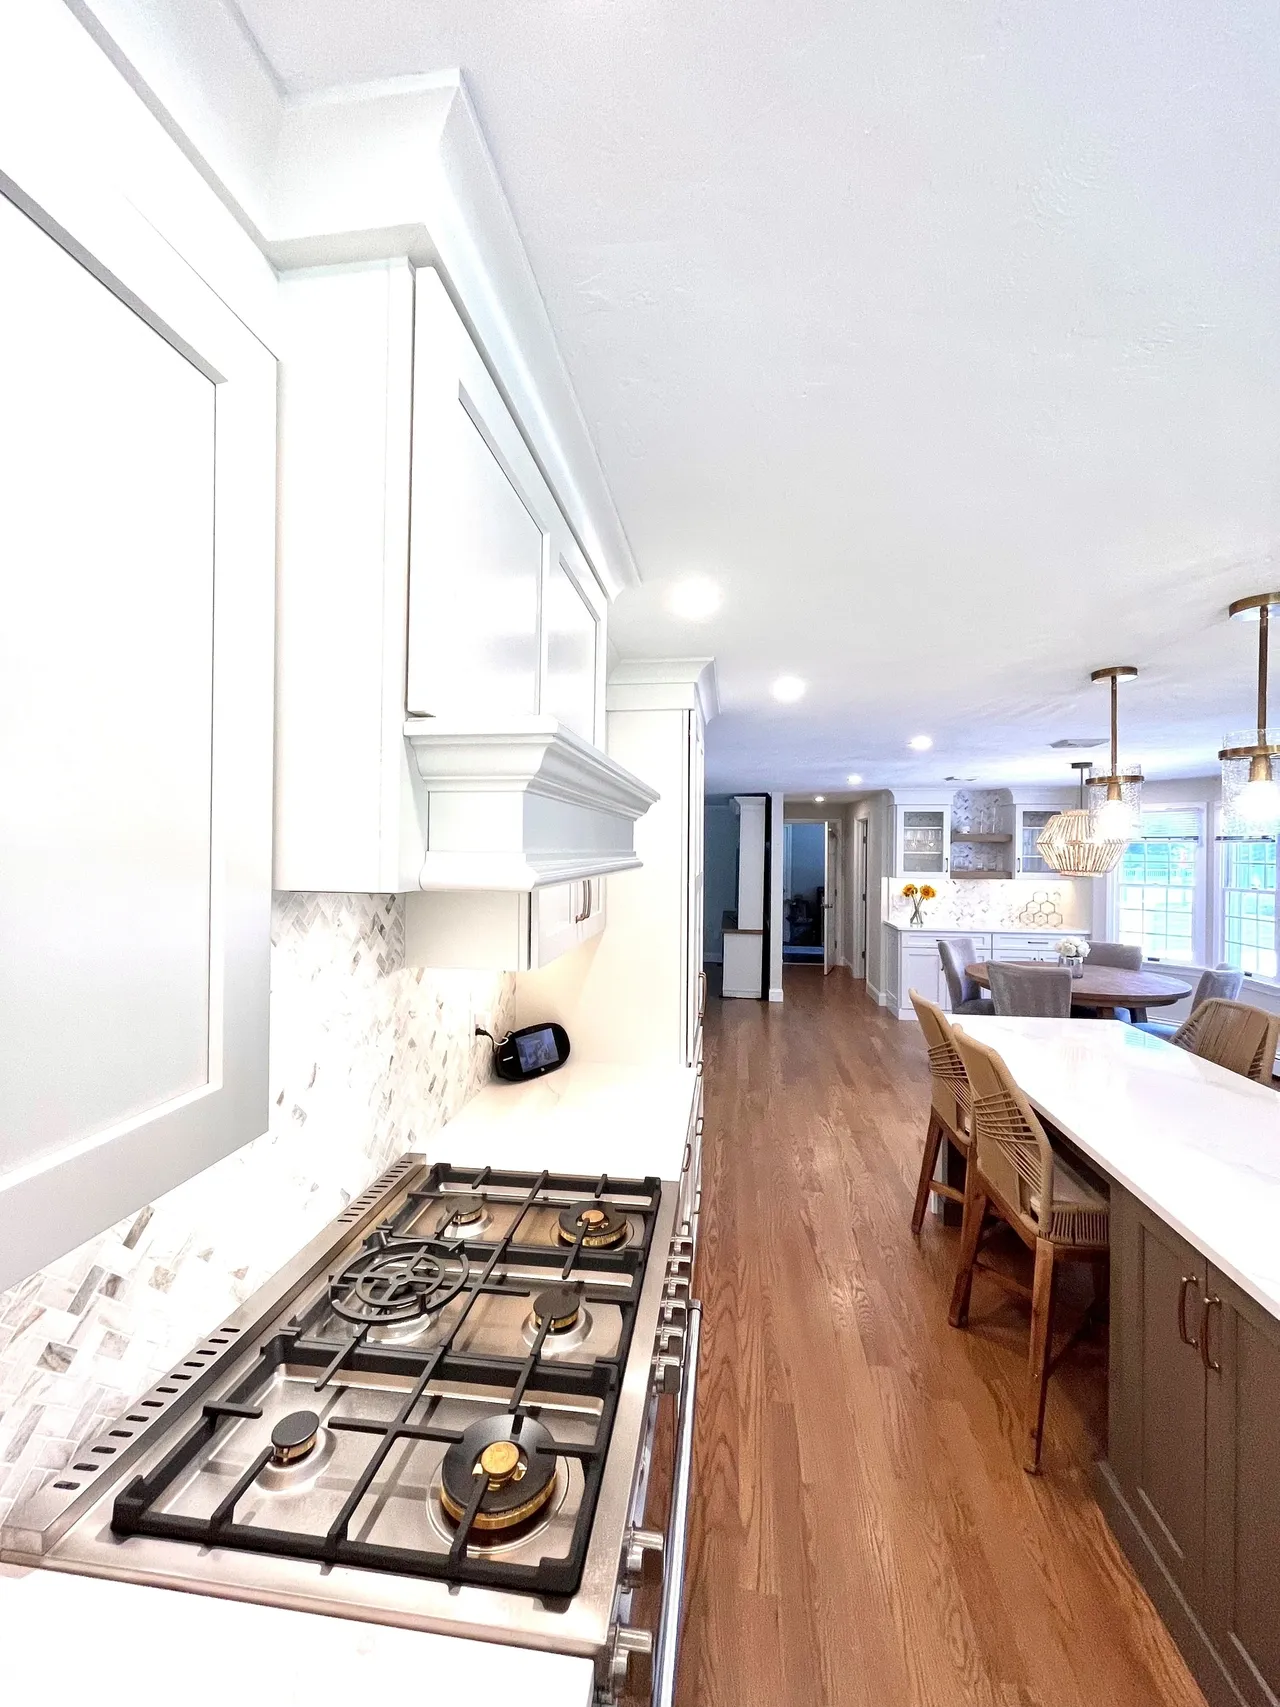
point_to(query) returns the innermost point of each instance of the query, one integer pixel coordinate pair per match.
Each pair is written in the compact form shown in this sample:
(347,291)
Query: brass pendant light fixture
(1066,843)
(1115,800)
(1250,791)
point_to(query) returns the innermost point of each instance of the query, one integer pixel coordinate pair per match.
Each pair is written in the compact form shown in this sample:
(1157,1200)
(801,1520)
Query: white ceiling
(943,335)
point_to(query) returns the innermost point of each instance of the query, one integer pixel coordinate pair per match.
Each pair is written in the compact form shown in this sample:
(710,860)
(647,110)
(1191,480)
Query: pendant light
(1115,800)
(1250,792)
(1066,842)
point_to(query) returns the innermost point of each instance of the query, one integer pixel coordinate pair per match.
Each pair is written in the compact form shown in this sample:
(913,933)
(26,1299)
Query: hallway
(863,1535)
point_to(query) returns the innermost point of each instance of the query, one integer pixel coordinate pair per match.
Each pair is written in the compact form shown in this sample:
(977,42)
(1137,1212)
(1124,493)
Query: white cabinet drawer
(1031,946)
(499,931)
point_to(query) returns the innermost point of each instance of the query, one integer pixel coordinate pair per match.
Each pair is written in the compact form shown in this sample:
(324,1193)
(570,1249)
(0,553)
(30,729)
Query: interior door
(831,898)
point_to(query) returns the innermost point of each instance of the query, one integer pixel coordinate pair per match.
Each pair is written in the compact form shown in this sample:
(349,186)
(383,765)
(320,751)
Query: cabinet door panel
(1158,1389)
(474,589)
(1244,1491)
(136,568)
(569,686)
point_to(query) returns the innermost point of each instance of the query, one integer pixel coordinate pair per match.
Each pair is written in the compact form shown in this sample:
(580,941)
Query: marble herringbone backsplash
(367,1059)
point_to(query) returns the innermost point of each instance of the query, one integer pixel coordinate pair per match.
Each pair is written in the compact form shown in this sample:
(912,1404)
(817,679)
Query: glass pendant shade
(1251,785)
(1068,843)
(1115,806)
(1250,759)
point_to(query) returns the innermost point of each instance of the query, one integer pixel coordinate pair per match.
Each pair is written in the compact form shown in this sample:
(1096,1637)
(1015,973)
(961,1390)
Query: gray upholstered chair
(1122,955)
(1222,984)
(966,994)
(1035,992)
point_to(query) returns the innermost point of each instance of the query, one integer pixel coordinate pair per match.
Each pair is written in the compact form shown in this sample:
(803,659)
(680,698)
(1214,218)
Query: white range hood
(521,802)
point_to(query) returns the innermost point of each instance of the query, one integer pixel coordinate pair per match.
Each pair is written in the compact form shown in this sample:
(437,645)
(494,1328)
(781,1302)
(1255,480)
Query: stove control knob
(671,1340)
(640,1542)
(666,1371)
(629,1645)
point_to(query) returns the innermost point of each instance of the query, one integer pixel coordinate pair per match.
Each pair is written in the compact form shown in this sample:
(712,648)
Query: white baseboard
(775,993)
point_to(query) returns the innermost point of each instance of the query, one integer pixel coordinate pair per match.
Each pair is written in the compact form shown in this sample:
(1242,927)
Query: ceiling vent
(1075,743)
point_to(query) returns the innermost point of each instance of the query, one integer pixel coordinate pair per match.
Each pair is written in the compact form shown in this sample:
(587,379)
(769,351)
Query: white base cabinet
(912,961)
(502,931)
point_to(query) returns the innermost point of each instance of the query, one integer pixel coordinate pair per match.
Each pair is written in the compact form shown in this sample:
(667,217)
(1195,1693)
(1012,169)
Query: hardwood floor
(863,1531)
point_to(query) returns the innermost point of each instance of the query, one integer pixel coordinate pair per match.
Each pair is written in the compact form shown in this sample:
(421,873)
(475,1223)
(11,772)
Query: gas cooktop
(440,1405)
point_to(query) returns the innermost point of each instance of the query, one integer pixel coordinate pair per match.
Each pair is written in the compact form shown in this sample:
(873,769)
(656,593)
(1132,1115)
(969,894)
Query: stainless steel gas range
(440,1415)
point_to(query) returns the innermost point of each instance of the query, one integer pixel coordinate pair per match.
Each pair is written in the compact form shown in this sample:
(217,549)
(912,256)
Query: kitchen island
(1189,1484)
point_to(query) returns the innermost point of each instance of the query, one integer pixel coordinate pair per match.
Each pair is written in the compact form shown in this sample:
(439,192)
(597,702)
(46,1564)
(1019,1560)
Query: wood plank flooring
(862,1530)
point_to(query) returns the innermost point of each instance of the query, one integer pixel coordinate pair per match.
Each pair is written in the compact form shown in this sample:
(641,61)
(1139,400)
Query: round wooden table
(1106,988)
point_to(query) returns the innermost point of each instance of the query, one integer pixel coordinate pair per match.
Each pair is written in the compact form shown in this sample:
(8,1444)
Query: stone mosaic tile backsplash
(368,1058)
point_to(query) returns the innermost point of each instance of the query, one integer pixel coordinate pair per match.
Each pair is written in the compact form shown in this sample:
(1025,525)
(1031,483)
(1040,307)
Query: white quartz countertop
(939,927)
(589,1118)
(66,1639)
(1198,1145)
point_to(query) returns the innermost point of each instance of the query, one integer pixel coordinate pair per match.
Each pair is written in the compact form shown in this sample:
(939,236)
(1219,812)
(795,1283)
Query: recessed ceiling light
(695,598)
(853,780)
(818,799)
(920,743)
(788,689)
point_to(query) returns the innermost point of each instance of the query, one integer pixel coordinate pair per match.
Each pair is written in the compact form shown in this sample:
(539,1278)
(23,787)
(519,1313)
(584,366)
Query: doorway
(807,919)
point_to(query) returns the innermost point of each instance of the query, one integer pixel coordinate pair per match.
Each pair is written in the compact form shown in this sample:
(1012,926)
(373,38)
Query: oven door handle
(673,1553)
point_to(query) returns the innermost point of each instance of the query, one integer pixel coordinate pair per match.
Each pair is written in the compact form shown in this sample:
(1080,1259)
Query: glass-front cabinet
(922,840)
(1029,821)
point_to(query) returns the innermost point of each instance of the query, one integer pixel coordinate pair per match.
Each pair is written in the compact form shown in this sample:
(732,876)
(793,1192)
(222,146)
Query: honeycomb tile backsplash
(368,1058)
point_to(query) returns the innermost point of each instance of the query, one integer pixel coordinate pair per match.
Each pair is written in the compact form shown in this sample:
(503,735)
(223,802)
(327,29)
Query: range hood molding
(517,803)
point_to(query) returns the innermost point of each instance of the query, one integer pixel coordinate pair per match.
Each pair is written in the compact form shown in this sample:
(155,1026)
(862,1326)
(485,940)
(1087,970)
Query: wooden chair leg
(975,1213)
(1042,1290)
(928,1163)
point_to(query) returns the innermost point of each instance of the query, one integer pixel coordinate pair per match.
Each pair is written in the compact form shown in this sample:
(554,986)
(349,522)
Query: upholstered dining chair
(1042,992)
(949,1104)
(1238,1037)
(1122,955)
(966,994)
(1015,1174)
(1223,983)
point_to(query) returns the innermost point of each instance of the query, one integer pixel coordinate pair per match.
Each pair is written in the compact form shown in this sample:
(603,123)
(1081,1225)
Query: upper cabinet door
(481,525)
(571,623)
(137,472)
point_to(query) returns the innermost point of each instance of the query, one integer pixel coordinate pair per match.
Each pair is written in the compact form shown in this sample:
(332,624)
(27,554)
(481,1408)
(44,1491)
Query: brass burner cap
(500,1460)
(592,1217)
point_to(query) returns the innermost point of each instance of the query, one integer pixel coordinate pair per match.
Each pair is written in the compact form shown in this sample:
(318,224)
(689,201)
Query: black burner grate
(401,1276)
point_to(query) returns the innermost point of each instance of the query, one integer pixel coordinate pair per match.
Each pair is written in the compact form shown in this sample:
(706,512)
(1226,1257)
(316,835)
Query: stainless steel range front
(440,1415)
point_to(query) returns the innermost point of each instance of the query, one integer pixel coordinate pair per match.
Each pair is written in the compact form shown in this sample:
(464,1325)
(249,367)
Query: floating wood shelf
(970,875)
(980,836)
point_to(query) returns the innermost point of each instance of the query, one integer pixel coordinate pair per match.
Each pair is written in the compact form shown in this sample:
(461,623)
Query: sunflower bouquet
(917,894)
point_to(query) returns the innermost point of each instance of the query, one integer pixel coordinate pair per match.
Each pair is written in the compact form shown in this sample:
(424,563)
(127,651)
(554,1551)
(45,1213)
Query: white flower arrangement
(1072,948)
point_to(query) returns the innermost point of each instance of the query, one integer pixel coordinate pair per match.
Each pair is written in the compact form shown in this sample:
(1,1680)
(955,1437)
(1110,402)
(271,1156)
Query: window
(1248,878)
(1158,886)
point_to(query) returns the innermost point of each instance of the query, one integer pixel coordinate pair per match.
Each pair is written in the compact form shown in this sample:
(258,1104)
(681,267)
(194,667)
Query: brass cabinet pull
(1209,1362)
(1183,1335)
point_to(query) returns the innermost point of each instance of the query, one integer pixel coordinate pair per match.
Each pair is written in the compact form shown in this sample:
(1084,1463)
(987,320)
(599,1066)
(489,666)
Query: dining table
(1103,989)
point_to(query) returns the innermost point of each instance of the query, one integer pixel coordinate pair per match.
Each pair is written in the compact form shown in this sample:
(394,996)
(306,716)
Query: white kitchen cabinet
(440,698)
(504,613)
(922,840)
(497,931)
(137,454)
(1032,945)
(637,993)
(1028,822)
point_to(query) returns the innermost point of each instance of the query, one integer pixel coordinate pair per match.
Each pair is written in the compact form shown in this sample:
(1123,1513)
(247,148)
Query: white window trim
(1220,913)
(1205,911)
